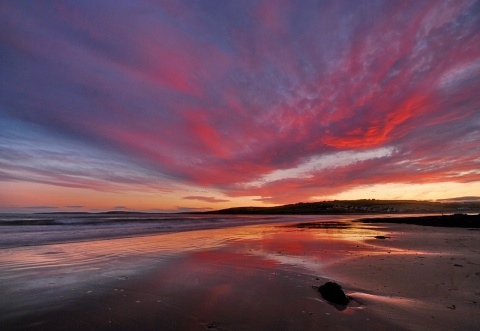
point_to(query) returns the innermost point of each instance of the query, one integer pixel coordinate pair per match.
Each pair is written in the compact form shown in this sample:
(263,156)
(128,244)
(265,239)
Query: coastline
(251,278)
(453,221)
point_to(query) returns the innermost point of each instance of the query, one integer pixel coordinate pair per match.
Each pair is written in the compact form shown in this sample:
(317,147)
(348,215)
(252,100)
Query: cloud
(322,163)
(206,199)
(461,199)
(297,98)
(31,153)
(180,209)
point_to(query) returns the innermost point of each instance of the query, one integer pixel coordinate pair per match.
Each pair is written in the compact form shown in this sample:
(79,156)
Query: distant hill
(363,206)
(112,212)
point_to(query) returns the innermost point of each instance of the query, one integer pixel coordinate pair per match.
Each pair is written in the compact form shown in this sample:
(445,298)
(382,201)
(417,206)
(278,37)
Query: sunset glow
(198,105)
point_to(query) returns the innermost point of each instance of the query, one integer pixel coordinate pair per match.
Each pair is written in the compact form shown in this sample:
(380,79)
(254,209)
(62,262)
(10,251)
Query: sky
(197,105)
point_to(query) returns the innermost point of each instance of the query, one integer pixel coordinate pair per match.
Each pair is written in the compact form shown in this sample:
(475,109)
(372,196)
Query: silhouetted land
(358,207)
(454,221)
(111,212)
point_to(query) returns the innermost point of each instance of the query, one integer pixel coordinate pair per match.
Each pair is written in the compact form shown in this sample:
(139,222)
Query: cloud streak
(203,198)
(295,97)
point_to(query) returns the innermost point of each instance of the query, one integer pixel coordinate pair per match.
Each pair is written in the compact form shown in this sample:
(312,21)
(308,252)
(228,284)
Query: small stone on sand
(334,293)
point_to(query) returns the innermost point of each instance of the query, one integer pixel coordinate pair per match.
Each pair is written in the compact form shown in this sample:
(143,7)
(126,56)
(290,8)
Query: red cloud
(224,95)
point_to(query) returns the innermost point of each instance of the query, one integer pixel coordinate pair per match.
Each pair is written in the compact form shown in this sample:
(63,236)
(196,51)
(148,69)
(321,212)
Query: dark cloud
(180,209)
(460,199)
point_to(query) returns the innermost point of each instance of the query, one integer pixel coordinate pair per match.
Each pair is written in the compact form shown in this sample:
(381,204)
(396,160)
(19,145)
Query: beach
(254,277)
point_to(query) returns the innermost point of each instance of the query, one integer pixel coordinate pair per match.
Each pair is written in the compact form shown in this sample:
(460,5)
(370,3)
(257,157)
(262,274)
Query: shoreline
(454,220)
(251,278)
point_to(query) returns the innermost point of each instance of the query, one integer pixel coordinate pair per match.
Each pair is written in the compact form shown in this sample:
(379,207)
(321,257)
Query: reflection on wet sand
(242,278)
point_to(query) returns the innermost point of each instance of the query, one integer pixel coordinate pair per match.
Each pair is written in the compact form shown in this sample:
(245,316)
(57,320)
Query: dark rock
(457,220)
(333,292)
(381,237)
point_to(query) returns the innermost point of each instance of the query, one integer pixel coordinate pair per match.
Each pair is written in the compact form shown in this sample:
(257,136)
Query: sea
(49,260)
(17,230)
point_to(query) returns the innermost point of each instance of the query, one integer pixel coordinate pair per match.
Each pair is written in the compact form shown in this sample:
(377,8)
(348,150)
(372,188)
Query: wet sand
(248,278)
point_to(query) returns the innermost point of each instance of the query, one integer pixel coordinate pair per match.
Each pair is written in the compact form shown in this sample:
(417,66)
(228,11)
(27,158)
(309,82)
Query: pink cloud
(223,95)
